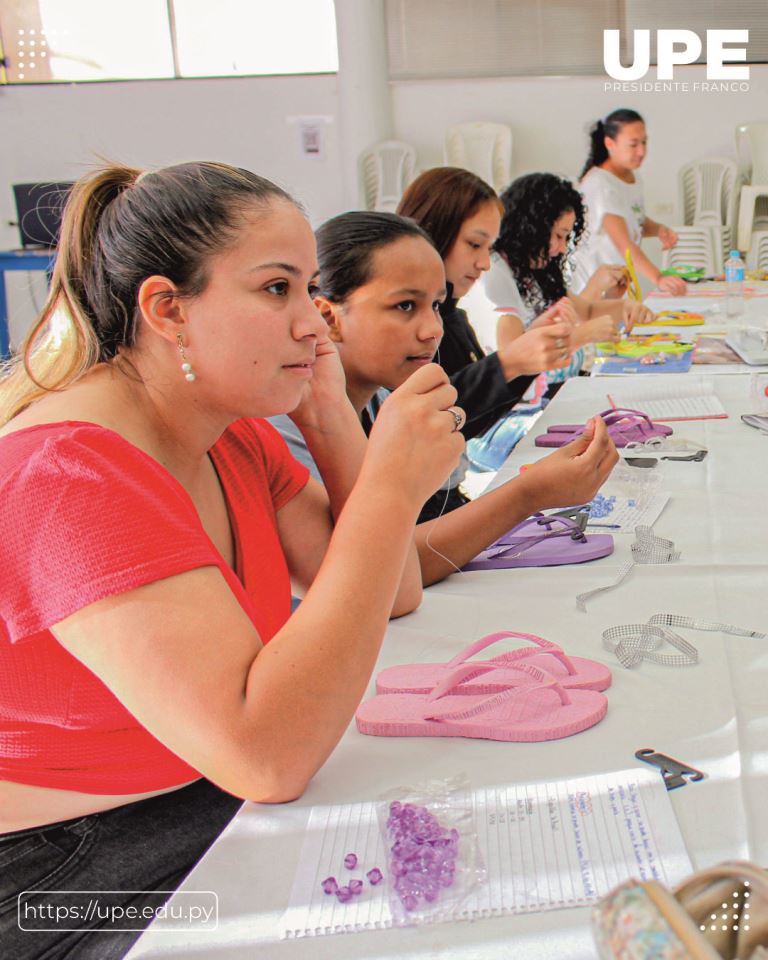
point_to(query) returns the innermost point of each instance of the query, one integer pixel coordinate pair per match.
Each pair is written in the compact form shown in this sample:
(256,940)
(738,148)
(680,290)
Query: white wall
(56,132)
(550,117)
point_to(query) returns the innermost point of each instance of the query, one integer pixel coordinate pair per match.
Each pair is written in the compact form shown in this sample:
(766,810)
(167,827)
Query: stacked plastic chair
(757,257)
(708,194)
(484,148)
(386,169)
(752,150)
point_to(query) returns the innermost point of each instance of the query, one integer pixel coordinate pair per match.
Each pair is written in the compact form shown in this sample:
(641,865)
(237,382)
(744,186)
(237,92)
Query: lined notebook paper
(545,845)
(664,401)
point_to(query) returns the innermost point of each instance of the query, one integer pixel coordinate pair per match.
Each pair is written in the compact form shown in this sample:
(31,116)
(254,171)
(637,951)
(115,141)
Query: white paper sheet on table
(664,401)
(629,512)
(545,845)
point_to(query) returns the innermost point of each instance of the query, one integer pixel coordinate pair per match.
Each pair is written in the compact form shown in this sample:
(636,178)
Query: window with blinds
(700,16)
(496,38)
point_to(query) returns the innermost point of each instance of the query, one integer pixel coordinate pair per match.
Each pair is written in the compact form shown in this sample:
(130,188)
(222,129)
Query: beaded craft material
(423,854)
(602,506)
(355,887)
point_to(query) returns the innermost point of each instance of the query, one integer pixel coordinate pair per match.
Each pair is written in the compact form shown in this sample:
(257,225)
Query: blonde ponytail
(62,344)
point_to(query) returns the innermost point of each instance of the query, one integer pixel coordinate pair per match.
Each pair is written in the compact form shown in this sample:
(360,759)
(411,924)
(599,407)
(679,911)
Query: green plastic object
(685,271)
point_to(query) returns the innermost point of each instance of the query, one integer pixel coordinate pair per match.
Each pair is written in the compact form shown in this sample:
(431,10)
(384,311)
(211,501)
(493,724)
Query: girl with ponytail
(613,196)
(151,673)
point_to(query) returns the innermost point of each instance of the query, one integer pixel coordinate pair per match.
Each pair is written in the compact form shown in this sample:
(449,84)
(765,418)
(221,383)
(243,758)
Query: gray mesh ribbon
(647,548)
(634,642)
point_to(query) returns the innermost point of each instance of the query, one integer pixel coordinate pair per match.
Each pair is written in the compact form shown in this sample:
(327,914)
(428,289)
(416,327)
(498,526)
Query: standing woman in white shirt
(613,195)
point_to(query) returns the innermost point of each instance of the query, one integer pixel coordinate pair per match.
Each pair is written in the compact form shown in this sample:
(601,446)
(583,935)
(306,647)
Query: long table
(713,716)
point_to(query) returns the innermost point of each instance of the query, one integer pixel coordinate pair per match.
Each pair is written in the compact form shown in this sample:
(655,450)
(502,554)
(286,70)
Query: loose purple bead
(330,885)
(375,876)
(410,903)
(344,894)
(350,861)
(356,886)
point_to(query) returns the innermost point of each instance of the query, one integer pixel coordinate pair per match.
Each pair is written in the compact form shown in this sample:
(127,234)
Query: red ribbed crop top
(84,515)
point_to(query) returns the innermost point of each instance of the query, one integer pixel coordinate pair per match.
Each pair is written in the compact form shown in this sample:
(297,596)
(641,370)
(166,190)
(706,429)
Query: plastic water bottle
(734,284)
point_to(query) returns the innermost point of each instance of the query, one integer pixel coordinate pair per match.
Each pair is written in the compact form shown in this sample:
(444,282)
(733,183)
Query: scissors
(633,289)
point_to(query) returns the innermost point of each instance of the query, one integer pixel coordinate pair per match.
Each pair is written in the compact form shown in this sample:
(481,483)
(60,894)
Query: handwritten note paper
(545,846)
(568,843)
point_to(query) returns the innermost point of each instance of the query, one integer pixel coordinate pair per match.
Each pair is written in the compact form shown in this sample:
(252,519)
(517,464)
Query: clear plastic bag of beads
(433,857)
(630,482)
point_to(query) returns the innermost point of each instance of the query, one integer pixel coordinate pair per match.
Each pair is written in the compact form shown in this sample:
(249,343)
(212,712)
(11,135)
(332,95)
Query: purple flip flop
(542,541)
(610,416)
(624,426)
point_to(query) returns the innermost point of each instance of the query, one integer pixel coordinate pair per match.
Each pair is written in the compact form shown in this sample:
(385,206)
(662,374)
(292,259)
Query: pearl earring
(189,374)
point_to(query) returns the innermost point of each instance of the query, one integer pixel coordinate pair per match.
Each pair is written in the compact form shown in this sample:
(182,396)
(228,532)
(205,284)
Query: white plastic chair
(757,257)
(386,169)
(484,148)
(707,197)
(698,247)
(752,150)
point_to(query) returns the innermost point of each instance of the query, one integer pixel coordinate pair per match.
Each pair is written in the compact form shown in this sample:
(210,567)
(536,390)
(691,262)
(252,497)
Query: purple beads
(423,854)
(329,885)
(355,887)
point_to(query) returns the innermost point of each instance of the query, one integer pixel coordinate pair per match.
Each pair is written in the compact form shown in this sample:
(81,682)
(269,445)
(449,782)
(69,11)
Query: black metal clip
(698,456)
(675,773)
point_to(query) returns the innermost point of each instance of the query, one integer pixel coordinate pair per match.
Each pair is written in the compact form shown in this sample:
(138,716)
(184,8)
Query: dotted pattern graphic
(735,916)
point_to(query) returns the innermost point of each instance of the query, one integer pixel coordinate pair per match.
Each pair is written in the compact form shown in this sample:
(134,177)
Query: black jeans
(148,845)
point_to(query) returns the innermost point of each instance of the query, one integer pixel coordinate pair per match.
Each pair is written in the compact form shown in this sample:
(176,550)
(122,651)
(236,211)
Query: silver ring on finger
(459,417)
(559,343)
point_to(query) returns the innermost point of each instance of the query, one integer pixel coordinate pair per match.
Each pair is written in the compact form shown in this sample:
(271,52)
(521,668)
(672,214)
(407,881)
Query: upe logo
(677,47)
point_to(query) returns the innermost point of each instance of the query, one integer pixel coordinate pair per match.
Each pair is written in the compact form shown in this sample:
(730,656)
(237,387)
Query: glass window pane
(49,40)
(221,38)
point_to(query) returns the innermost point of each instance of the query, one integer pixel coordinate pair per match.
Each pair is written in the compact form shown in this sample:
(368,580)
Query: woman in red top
(151,529)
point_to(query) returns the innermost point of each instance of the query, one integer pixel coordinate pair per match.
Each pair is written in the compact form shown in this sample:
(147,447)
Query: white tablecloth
(712,715)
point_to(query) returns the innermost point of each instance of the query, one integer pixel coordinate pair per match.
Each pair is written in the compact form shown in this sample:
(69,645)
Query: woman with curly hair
(613,195)
(542,224)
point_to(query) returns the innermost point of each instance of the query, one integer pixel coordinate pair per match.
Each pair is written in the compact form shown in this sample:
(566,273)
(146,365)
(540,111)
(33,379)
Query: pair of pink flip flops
(530,694)
(624,426)
(543,541)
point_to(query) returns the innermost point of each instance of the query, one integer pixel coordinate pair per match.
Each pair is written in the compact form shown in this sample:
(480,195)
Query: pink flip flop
(482,676)
(538,710)
(542,541)
(624,426)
